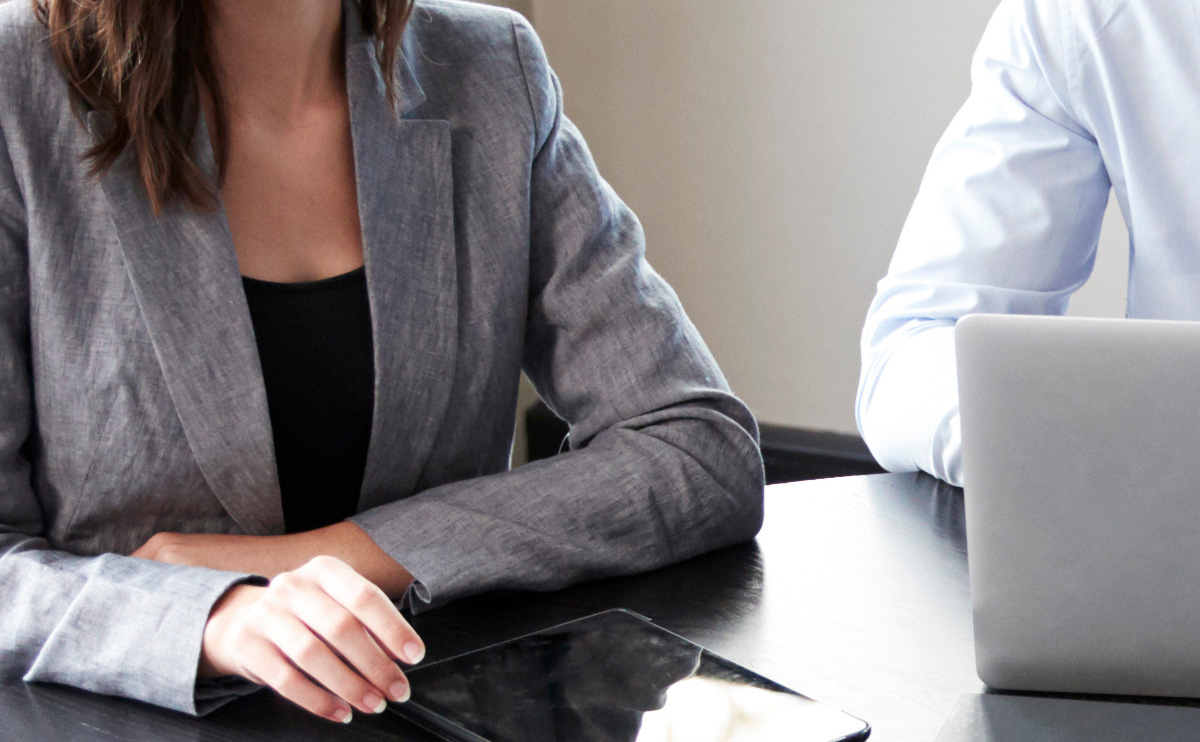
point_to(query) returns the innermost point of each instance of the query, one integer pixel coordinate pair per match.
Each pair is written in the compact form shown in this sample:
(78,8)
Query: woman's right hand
(322,622)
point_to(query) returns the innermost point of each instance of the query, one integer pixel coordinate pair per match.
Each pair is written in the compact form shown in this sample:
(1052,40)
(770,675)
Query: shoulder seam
(537,134)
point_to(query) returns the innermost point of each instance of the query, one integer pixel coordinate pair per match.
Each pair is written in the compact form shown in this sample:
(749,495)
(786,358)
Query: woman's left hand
(269,556)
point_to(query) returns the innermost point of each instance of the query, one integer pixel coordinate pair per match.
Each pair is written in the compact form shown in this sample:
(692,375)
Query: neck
(277,57)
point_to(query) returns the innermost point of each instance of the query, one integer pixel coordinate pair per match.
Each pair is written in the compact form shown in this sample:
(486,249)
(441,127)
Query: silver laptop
(1081,442)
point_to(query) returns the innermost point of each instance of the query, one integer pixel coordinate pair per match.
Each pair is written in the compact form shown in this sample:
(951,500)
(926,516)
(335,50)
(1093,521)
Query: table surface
(855,593)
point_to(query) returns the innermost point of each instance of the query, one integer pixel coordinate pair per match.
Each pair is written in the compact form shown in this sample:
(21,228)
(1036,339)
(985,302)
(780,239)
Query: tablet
(612,677)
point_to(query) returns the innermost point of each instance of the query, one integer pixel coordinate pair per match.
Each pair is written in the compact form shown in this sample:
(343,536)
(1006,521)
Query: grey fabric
(131,399)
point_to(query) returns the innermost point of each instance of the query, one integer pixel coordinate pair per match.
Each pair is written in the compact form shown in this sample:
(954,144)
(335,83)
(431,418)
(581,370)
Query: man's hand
(322,636)
(270,556)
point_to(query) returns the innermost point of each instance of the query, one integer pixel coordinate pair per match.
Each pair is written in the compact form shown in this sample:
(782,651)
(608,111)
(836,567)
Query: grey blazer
(132,401)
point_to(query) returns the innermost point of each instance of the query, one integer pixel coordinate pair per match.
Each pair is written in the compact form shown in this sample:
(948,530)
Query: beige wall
(521,6)
(772,149)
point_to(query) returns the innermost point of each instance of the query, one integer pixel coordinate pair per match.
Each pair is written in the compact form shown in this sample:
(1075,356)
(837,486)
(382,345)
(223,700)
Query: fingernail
(414,652)
(375,702)
(343,715)
(400,692)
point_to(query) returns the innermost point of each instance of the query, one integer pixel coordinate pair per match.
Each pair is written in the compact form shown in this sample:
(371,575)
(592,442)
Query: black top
(317,354)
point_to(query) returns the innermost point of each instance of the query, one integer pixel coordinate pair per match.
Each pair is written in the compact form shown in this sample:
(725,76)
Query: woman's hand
(269,556)
(322,622)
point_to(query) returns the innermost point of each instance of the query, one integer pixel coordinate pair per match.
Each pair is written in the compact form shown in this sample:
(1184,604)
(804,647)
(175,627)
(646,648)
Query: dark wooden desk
(855,593)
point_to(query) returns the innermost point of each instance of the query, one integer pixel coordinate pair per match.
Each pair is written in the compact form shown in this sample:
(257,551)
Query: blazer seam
(73,515)
(537,134)
(12,172)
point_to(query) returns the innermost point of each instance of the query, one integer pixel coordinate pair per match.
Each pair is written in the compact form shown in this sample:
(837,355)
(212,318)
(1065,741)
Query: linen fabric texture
(132,401)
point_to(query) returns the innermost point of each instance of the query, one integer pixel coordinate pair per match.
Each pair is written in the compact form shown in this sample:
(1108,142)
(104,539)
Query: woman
(269,272)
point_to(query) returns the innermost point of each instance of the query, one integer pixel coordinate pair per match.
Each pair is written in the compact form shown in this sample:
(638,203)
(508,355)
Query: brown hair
(138,61)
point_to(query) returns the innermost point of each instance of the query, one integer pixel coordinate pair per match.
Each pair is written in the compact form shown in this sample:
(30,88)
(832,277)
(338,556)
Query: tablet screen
(613,677)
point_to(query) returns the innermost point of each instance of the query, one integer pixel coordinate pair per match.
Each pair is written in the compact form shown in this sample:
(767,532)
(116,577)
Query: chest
(291,198)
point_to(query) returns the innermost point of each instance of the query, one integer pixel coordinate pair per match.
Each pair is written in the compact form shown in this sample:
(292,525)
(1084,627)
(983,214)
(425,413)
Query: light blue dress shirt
(1069,99)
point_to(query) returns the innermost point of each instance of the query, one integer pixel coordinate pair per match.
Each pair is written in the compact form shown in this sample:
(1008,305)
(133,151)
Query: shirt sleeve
(664,461)
(1007,220)
(110,624)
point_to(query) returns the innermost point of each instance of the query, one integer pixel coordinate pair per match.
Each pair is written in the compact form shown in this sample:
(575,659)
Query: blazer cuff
(415,533)
(417,598)
(142,637)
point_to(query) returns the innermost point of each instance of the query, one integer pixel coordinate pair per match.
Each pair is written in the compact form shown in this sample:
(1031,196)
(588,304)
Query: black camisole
(317,355)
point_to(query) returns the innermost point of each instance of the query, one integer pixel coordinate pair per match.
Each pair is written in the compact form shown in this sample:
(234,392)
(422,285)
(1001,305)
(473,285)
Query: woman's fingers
(369,605)
(342,631)
(310,653)
(320,625)
(266,664)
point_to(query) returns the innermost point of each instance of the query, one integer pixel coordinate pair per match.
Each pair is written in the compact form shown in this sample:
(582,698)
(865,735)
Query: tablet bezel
(441,725)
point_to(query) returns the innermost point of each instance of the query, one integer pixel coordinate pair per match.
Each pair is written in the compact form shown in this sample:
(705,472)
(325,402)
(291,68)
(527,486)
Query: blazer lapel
(405,199)
(185,274)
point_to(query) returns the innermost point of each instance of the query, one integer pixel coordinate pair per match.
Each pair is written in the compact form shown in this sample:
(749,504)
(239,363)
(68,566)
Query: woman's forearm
(352,545)
(273,555)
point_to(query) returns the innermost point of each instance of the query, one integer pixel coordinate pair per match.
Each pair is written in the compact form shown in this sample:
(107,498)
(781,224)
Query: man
(1070,98)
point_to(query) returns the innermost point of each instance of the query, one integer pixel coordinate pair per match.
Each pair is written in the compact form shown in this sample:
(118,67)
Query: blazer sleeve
(664,461)
(110,624)
(1007,220)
